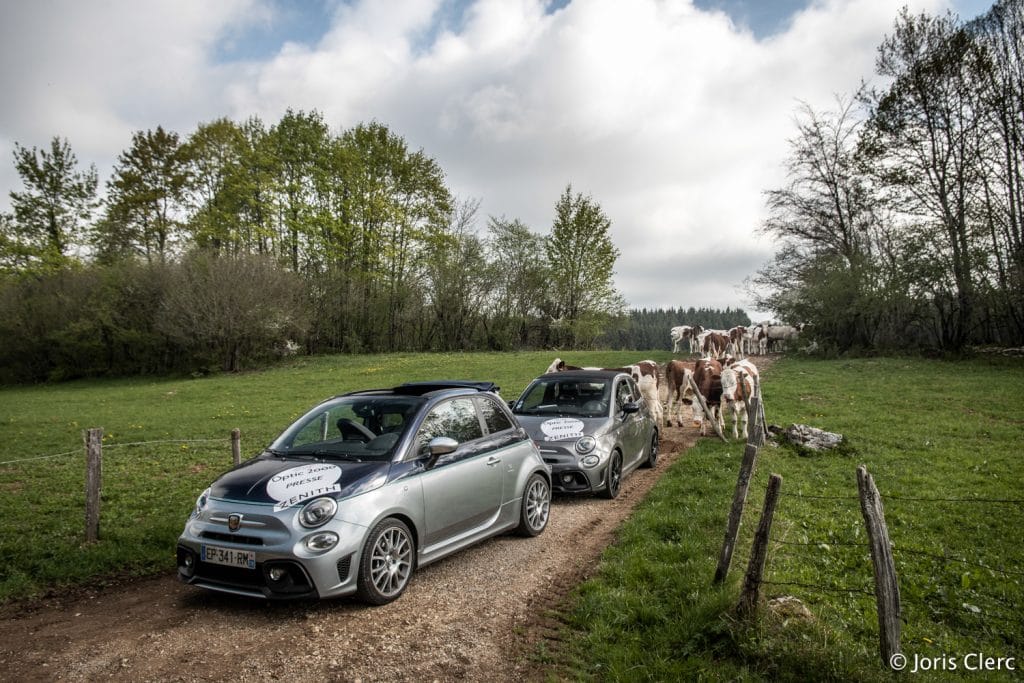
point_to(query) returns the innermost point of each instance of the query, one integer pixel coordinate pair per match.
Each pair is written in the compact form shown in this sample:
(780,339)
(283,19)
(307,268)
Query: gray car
(592,427)
(363,489)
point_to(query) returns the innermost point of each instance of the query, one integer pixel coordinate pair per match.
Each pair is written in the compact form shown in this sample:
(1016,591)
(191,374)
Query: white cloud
(671,118)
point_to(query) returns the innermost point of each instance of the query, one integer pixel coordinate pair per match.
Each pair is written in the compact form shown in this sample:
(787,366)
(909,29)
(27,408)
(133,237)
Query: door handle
(492,461)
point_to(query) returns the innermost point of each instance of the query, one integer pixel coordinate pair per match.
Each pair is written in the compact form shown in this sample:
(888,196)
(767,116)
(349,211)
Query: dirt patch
(472,616)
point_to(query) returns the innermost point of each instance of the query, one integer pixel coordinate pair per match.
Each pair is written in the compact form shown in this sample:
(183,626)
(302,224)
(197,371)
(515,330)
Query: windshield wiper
(329,455)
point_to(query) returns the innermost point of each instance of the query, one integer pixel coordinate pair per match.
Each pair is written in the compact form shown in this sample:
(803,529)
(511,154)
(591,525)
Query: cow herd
(738,341)
(723,375)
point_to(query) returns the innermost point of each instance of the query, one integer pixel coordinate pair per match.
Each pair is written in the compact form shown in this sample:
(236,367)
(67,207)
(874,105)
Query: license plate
(229,557)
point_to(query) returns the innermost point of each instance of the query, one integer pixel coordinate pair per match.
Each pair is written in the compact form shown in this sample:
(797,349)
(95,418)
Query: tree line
(245,242)
(903,214)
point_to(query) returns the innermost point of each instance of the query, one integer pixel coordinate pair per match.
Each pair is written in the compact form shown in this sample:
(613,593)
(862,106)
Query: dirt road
(469,617)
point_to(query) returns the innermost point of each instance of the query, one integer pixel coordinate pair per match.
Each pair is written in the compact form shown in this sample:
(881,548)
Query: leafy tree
(923,134)
(396,205)
(297,144)
(50,213)
(582,261)
(520,301)
(228,311)
(215,153)
(145,206)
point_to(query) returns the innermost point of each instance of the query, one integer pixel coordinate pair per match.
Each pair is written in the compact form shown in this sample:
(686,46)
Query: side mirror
(630,408)
(441,445)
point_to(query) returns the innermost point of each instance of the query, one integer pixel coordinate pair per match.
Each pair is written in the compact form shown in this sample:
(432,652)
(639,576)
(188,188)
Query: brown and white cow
(716,343)
(647,379)
(688,334)
(707,375)
(737,388)
(677,379)
(738,339)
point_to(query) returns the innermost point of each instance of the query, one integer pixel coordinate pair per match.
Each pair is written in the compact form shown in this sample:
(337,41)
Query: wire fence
(971,605)
(116,446)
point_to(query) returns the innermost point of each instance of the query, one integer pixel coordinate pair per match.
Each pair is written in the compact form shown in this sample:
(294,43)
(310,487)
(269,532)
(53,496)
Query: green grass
(924,429)
(182,427)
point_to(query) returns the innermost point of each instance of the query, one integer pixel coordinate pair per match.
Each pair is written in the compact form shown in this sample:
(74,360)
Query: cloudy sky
(673,115)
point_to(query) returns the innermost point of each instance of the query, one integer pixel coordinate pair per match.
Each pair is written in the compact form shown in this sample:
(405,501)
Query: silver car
(362,490)
(592,427)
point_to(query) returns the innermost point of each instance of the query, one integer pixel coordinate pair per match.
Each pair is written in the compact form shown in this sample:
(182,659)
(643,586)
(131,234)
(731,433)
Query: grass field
(942,441)
(165,440)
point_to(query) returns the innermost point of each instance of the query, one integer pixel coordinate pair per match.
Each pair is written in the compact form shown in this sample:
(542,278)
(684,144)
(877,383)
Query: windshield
(350,428)
(554,396)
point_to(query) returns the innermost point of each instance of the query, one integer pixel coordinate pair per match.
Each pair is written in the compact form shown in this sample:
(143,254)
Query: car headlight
(321,542)
(317,512)
(589,460)
(201,502)
(585,444)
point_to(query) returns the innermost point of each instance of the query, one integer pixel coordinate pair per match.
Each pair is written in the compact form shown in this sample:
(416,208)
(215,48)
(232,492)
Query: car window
(456,419)
(323,426)
(494,417)
(622,394)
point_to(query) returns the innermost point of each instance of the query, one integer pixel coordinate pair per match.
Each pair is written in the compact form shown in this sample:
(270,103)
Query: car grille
(232,538)
(344,566)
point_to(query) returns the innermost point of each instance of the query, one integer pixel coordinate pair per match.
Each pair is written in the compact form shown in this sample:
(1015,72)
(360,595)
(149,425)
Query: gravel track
(474,616)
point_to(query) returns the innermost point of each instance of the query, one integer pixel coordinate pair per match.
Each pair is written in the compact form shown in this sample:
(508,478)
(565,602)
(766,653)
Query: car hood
(543,428)
(284,482)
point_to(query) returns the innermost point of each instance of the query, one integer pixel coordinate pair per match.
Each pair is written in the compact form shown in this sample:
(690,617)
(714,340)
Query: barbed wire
(42,457)
(946,558)
(810,495)
(1009,501)
(826,589)
(818,544)
(110,446)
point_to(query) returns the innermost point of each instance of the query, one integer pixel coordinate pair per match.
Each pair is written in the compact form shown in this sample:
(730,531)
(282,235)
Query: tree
(582,260)
(828,224)
(924,137)
(145,208)
(226,311)
(214,153)
(58,199)
(520,299)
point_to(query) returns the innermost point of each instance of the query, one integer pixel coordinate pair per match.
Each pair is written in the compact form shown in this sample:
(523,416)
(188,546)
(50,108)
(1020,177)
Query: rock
(789,607)
(812,438)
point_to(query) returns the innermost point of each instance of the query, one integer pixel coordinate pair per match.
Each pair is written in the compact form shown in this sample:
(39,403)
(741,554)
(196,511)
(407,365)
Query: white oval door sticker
(302,483)
(561,428)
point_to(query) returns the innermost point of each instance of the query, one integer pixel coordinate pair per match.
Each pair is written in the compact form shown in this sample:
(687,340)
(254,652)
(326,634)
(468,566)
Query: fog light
(190,561)
(566,478)
(277,573)
(318,543)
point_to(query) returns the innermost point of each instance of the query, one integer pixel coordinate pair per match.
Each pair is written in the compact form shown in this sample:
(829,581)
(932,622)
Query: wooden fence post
(93,483)
(887,589)
(236,445)
(751,593)
(739,499)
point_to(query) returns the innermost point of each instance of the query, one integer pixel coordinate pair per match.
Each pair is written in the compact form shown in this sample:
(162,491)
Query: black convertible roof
(583,374)
(420,388)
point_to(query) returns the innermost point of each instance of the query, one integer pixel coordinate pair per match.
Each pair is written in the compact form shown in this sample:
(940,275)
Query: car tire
(387,562)
(535,507)
(652,450)
(613,477)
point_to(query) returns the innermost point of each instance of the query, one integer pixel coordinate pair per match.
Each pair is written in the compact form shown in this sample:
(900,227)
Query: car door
(632,425)
(462,491)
